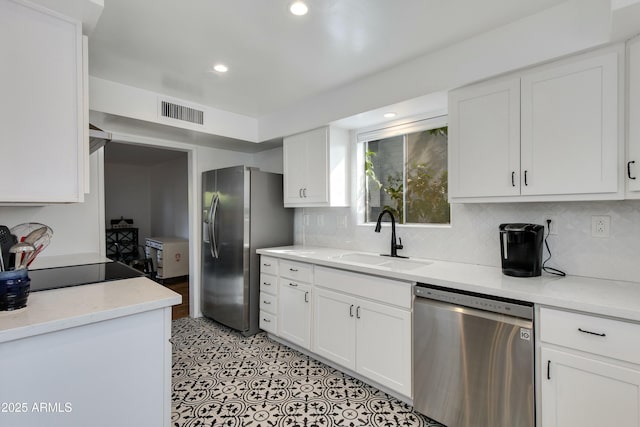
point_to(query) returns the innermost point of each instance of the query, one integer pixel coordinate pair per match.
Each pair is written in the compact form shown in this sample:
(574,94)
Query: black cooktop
(75,275)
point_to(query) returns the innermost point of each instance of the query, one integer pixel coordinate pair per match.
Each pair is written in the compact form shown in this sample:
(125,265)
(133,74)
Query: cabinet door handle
(548,369)
(293,269)
(629,169)
(513,179)
(584,331)
(295,285)
(304,192)
(266,302)
(306,296)
(266,283)
(358,312)
(525,178)
(351,310)
(267,265)
(266,320)
(300,193)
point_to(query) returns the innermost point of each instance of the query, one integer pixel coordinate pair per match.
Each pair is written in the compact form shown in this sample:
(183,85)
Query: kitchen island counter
(57,309)
(597,296)
(72,347)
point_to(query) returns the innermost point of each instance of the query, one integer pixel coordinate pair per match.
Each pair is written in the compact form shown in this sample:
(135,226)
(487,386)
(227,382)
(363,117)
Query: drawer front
(380,289)
(268,322)
(296,270)
(268,265)
(268,303)
(290,283)
(269,284)
(593,334)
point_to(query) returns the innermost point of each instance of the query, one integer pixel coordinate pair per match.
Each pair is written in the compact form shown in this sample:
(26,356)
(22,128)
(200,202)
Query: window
(405,170)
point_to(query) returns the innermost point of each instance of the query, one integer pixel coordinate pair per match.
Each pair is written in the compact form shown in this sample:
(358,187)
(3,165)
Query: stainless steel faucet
(394,246)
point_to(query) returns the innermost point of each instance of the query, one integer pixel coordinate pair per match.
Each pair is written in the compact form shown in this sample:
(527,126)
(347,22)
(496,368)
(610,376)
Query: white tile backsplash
(473,235)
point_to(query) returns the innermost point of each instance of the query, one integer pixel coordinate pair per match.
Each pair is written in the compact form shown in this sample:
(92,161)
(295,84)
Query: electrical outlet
(553,227)
(600,225)
(305,220)
(342,222)
(320,220)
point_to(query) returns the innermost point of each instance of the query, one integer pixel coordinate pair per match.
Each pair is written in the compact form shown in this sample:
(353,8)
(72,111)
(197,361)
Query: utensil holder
(14,289)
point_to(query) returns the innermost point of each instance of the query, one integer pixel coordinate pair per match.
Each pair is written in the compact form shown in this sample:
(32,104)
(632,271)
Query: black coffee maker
(521,249)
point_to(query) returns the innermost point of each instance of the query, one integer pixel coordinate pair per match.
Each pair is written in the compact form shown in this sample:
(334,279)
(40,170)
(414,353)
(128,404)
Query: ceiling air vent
(180,112)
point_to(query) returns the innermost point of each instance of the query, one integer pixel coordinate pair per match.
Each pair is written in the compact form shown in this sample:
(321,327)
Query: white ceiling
(276,59)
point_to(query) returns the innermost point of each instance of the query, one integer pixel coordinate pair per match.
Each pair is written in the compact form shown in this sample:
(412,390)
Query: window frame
(364,136)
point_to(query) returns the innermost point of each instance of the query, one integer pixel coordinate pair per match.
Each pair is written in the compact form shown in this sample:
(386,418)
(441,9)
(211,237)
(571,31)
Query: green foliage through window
(407,174)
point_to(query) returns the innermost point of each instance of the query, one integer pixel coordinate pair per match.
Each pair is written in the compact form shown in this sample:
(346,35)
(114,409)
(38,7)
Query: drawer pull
(266,283)
(295,285)
(266,302)
(267,265)
(293,269)
(584,331)
(267,320)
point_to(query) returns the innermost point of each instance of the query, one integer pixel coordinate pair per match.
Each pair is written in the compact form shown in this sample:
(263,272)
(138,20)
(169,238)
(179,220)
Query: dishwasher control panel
(478,301)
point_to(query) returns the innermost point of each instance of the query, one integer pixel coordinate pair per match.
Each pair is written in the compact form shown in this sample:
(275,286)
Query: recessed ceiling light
(389,115)
(221,68)
(299,8)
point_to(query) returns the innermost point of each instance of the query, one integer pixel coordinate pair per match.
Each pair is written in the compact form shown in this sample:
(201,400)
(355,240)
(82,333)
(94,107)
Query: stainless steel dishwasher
(473,359)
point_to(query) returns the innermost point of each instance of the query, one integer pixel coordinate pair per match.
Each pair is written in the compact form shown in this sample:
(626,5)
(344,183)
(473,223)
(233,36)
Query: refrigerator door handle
(211,220)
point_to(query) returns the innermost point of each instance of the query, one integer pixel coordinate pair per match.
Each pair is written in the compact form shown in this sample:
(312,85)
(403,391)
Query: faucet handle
(399,246)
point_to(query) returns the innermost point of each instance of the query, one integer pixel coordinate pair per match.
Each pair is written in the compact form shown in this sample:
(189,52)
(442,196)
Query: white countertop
(597,296)
(57,309)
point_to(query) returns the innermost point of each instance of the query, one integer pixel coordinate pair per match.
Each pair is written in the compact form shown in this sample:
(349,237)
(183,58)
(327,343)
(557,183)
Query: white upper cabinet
(315,168)
(546,134)
(569,128)
(632,171)
(42,117)
(484,122)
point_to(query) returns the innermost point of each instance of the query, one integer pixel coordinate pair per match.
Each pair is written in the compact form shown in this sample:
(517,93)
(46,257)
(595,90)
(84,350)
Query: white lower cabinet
(357,321)
(295,313)
(590,372)
(335,328)
(268,294)
(370,338)
(585,392)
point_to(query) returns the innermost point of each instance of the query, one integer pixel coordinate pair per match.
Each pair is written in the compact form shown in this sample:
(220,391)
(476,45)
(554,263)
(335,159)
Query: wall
(154,196)
(169,199)
(127,194)
(268,160)
(76,226)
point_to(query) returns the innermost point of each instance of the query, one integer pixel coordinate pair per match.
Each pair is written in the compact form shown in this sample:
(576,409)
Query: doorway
(146,192)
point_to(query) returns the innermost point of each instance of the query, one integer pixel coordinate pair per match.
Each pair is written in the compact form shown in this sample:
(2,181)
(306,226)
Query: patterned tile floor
(221,378)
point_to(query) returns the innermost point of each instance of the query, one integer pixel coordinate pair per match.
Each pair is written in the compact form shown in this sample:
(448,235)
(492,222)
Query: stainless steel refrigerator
(242,211)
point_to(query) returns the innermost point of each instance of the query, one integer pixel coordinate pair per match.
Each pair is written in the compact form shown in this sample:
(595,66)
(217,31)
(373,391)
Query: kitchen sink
(382,261)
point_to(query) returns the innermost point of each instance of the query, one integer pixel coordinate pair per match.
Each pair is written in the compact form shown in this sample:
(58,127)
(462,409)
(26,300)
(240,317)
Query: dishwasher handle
(468,311)
(472,300)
